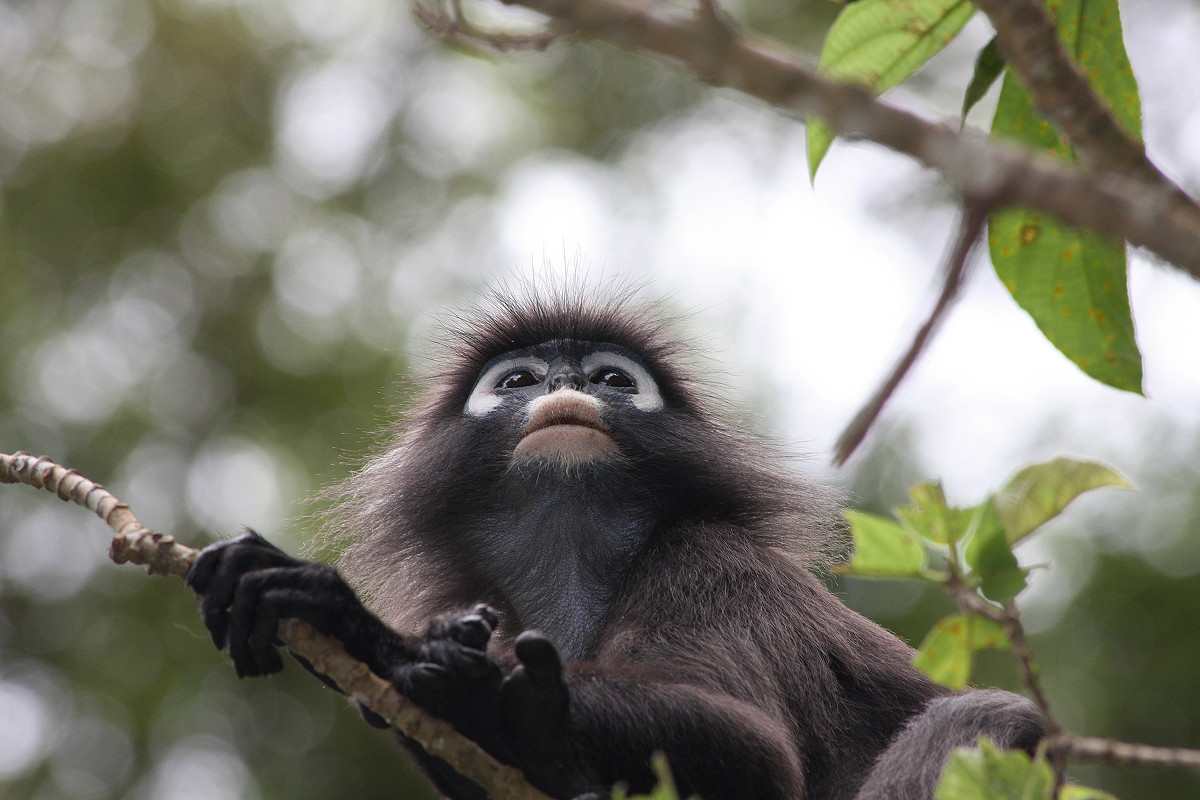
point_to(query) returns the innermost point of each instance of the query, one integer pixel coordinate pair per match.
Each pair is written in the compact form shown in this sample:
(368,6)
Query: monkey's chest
(560,568)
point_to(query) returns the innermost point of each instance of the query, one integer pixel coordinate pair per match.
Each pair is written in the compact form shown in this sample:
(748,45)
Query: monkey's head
(572,390)
(562,387)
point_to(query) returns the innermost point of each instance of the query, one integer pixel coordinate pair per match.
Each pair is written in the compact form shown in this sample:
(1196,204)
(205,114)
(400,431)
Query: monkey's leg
(911,765)
(716,746)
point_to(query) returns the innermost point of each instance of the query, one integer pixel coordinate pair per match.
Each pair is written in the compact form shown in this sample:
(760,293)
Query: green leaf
(882,548)
(880,43)
(930,516)
(1074,792)
(948,651)
(988,66)
(1072,282)
(1040,492)
(990,556)
(989,773)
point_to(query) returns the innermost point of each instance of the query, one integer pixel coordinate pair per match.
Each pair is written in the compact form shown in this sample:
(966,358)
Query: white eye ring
(647,396)
(484,399)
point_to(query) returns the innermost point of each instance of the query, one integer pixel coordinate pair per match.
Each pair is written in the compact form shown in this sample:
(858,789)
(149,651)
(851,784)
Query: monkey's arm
(248,585)
(570,730)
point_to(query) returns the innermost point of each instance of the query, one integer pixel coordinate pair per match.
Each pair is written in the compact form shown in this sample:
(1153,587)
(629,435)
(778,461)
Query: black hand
(247,585)
(535,706)
(451,675)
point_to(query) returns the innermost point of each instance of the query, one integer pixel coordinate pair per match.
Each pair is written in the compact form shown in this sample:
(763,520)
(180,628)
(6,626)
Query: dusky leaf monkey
(569,556)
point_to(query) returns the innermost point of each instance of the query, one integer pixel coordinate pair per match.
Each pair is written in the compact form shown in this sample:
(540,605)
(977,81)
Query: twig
(136,543)
(976,168)
(1087,748)
(969,229)
(1010,620)
(133,541)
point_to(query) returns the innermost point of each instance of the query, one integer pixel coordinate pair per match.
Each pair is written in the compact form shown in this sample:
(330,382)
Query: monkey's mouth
(564,419)
(565,426)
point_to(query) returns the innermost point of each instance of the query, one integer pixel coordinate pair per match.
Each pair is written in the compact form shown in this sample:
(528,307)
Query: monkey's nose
(568,380)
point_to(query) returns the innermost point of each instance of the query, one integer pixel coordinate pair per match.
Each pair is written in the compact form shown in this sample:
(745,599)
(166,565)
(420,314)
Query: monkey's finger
(262,640)
(488,613)
(216,620)
(540,657)
(466,662)
(473,630)
(217,558)
(425,684)
(249,621)
(220,570)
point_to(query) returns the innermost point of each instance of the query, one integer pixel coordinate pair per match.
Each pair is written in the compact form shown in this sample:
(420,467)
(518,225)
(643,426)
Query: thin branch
(136,543)
(133,541)
(1063,95)
(1010,620)
(1087,748)
(970,228)
(710,11)
(1062,746)
(985,171)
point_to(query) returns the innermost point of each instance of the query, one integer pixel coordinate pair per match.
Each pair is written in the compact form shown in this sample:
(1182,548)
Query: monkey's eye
(614,378)
(517,379)
(626,374)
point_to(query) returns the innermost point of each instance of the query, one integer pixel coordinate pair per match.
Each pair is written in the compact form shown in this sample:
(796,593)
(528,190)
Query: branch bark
(1062,94)
(135,543)
(981,171)
(1062,746)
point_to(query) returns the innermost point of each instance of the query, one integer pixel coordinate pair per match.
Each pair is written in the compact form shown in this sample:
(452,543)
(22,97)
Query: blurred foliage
(223,225)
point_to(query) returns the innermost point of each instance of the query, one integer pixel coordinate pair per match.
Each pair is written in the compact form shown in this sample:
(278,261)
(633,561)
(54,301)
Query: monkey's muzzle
(565,426)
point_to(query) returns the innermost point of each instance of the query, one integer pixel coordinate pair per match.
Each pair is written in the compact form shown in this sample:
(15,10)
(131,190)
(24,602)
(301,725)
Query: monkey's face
(561,399)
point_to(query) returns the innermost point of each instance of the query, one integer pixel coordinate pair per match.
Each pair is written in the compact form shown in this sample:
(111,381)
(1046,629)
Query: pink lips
(566,426)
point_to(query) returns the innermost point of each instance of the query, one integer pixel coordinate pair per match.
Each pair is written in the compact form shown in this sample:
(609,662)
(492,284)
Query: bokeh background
(228,229)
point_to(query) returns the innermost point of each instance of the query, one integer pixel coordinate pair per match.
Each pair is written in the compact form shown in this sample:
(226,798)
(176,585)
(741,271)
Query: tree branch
(1060,745)
(1063,95)
(134,542)
(1087,748)
(979,170)
(1010,620)
(969,229)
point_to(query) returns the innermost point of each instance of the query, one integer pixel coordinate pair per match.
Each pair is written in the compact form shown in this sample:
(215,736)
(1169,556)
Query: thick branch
(1062,94)
(136,543)
(979,170)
